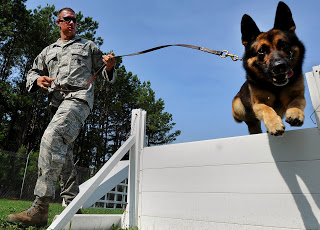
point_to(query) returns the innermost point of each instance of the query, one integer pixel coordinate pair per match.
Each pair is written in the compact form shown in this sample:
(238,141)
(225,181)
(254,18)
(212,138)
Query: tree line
(24,116)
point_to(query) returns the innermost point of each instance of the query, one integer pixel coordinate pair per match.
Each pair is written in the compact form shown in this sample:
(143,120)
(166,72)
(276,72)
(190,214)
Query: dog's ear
(249,30)
(283,20)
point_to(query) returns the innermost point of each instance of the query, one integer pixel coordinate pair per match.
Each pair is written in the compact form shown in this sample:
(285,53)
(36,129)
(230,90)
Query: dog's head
(274,56)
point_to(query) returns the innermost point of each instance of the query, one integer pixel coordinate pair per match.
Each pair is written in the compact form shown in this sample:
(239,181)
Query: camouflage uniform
(71,64)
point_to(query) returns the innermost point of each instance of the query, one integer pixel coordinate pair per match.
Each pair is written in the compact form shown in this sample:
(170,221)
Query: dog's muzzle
(282,79)
(281,73)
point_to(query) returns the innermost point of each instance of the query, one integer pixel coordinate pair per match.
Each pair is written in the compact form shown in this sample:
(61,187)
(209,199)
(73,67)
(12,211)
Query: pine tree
(24,116)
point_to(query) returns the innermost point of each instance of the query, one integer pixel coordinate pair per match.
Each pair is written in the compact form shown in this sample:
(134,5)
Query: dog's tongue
(289,74)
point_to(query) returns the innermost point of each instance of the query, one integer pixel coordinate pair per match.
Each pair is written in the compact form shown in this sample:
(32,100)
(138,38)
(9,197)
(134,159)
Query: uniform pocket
(79,58)
(51,60)
(80,67)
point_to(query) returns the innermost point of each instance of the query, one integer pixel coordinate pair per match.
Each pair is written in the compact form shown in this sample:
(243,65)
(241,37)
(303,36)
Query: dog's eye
(263,50)
(284,46)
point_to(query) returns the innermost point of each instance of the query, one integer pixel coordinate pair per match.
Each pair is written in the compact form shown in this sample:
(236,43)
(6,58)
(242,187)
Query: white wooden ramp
(256,182)
(248,182)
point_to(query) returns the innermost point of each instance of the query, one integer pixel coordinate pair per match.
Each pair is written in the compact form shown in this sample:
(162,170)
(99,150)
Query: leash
(222,54)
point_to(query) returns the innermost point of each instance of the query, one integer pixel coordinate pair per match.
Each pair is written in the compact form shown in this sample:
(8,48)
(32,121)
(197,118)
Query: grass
(13,206)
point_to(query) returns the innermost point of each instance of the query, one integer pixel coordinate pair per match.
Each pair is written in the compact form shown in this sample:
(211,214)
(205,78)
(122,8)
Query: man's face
(67,23)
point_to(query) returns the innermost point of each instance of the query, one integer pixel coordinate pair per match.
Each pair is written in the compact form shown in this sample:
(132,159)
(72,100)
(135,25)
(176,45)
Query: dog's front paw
(275,126)
(295,117)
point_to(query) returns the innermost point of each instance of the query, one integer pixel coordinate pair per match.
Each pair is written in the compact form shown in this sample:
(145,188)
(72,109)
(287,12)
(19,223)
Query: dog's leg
(239,114)
(294,113)
(238,110)
(254,127)
(271,120)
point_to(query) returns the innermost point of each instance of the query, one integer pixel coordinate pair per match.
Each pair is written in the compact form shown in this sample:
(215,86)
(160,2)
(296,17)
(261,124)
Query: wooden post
(138,126)
(313,80)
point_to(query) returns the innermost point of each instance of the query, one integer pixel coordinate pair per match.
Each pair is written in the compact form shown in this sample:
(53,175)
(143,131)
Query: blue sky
(197,87)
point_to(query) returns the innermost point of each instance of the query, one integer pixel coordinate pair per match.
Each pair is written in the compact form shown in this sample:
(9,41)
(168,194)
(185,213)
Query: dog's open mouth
(282,79)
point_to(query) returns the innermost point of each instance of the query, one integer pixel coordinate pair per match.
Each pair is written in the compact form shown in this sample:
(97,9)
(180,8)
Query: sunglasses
(68,19)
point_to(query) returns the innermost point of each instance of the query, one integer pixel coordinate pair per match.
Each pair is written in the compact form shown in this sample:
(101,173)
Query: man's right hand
(44,82)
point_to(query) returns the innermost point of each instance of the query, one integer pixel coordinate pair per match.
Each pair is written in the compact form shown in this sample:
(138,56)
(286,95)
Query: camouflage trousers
(56,151)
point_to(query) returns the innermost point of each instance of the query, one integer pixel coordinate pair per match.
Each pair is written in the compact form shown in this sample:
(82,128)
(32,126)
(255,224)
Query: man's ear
(249,30)
(283,20)
(58,23)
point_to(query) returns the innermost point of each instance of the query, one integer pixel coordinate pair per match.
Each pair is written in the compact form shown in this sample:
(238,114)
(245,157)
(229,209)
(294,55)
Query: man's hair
(67,9)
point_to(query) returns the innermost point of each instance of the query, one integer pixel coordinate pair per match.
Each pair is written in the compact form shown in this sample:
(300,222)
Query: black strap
(183,45)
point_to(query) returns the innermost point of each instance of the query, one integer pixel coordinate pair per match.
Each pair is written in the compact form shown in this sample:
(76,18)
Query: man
(63,68)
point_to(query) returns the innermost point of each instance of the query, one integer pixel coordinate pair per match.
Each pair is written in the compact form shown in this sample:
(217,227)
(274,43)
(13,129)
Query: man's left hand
(109,60)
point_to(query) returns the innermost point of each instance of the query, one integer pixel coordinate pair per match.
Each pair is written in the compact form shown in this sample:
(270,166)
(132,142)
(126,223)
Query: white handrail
(79,200)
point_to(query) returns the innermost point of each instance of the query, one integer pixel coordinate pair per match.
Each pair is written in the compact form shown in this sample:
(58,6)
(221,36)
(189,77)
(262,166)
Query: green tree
(32,32)
(159,123)
(23,116)
(12,12)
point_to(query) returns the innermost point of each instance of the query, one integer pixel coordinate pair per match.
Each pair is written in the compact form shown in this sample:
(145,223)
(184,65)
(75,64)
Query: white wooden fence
(249,182)
(116,198)
(112,191)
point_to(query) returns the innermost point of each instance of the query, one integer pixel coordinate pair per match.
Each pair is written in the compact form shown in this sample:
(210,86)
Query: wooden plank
(138,124)
(93,221)
(142,145)
(313,90)
(316,76)
(160,223)
(295,145)
(297,211)
(259,178)
(314,87)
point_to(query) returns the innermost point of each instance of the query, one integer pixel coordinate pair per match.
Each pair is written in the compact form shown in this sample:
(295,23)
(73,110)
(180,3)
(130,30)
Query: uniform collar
(60,43)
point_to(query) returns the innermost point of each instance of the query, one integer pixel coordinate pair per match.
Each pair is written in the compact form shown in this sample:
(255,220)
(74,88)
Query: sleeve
(38,69)
(97,63)
(110,76)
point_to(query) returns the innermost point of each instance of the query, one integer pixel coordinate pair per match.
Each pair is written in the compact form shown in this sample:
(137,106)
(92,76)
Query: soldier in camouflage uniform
(67,64)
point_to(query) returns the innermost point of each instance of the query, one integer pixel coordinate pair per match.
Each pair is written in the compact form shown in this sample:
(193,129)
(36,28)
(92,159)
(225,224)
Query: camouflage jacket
(72,65)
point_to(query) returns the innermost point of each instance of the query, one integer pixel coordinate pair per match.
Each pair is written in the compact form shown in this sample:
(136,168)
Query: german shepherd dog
(275,84)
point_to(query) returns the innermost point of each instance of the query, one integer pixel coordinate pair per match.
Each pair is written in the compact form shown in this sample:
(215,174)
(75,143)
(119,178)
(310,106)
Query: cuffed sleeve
(110,76)
(97,62)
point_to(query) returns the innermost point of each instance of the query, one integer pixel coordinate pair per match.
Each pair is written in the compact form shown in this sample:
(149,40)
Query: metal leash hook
(225,53)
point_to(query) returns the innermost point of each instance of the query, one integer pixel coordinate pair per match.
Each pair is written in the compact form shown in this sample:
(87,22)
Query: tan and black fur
(275,84)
